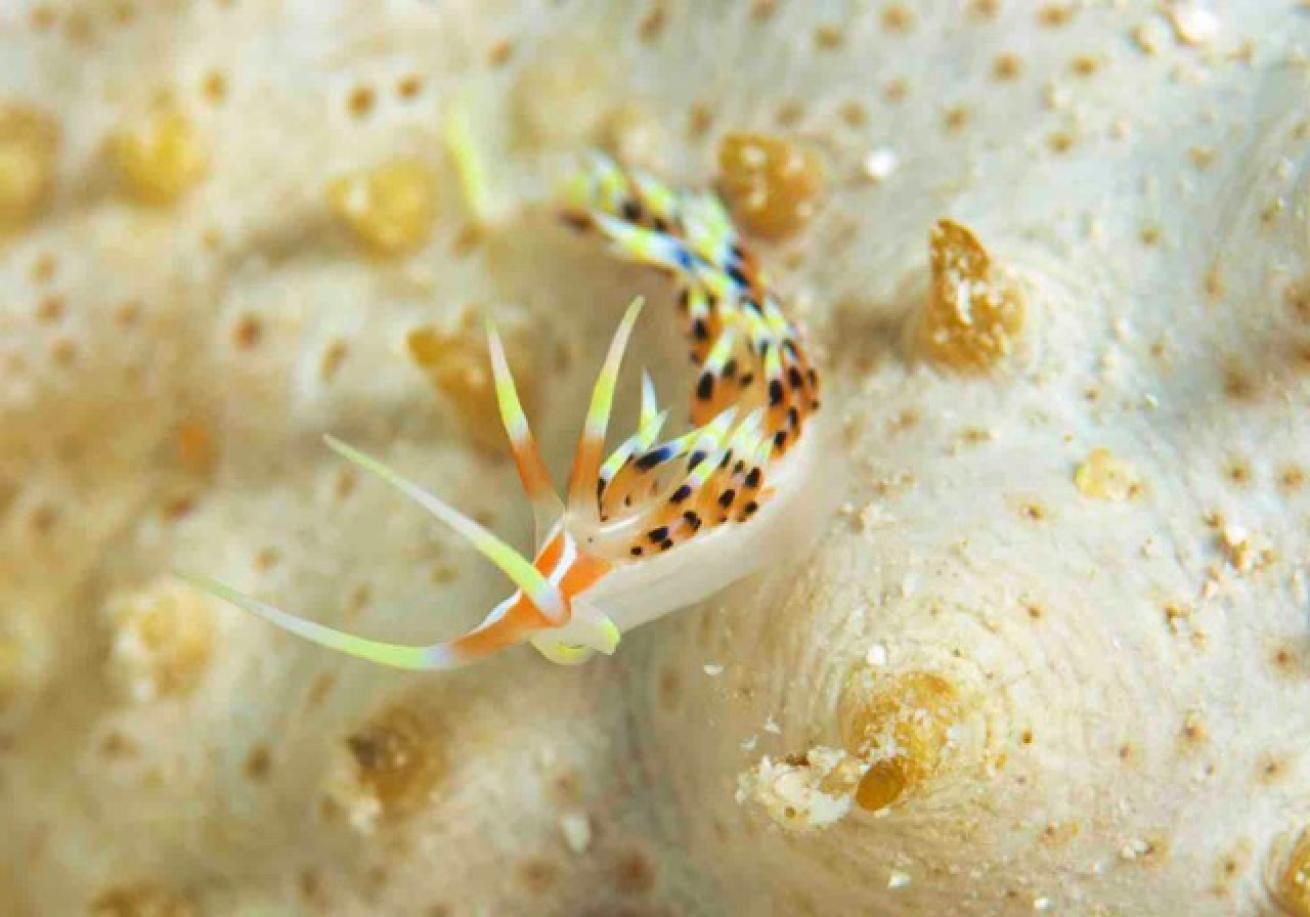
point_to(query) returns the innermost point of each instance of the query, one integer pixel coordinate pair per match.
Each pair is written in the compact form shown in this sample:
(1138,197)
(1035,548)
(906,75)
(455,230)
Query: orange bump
(974,314)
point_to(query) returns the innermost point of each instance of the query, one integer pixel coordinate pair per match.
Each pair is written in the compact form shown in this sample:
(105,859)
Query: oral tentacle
(521,572)
(395,655)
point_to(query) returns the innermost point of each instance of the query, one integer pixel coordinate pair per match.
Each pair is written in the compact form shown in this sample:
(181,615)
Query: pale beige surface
(1086,675)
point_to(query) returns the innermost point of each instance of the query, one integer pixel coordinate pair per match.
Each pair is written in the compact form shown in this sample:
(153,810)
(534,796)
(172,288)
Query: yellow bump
(974,314)
(635,136)
(456,363)
(141,899)
(389,209)
(394,761)
(29,141)
(902,724)
(1101,476)
(159,158)
(883,783)
(164,638)
(772,185)
(1292,886)
(24,660)
(1292,889)
(561,96)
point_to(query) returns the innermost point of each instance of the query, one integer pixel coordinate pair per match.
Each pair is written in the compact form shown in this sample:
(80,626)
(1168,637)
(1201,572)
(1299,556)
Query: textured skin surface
(1126,681)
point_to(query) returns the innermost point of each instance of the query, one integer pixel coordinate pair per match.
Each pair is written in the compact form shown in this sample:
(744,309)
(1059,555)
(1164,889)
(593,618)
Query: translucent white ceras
(658,524)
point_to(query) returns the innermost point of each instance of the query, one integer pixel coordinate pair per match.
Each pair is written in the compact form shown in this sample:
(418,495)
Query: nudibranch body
(656,525)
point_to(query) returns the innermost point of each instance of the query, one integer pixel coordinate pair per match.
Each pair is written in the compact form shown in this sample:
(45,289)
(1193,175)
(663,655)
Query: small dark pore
(775,393)
(631,211)
(747,379)
(753,479)
(751,507)
(636,551)
(666,544)
(657,535)
(739,278)
(794,377)
(730,368)
(726,498)
(660,225)
(696,458)
(780,439)
(692,519)
(684,298)
(699,331)
(739,467)
(682,493)
(793,417)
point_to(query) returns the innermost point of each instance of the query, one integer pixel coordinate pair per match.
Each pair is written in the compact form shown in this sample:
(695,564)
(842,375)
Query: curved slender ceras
(656,525)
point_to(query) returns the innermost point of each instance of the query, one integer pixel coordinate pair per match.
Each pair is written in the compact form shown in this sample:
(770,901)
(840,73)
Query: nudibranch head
(655,525)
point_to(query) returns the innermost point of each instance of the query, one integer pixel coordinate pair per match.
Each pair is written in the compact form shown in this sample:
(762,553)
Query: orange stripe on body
(582,575)
(550,555)
(521,619)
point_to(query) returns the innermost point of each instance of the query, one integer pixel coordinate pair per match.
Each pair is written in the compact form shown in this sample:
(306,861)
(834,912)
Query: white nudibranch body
(656,525)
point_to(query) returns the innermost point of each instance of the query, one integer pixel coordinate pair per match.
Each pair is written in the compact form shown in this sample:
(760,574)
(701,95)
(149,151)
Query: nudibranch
(658,524)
